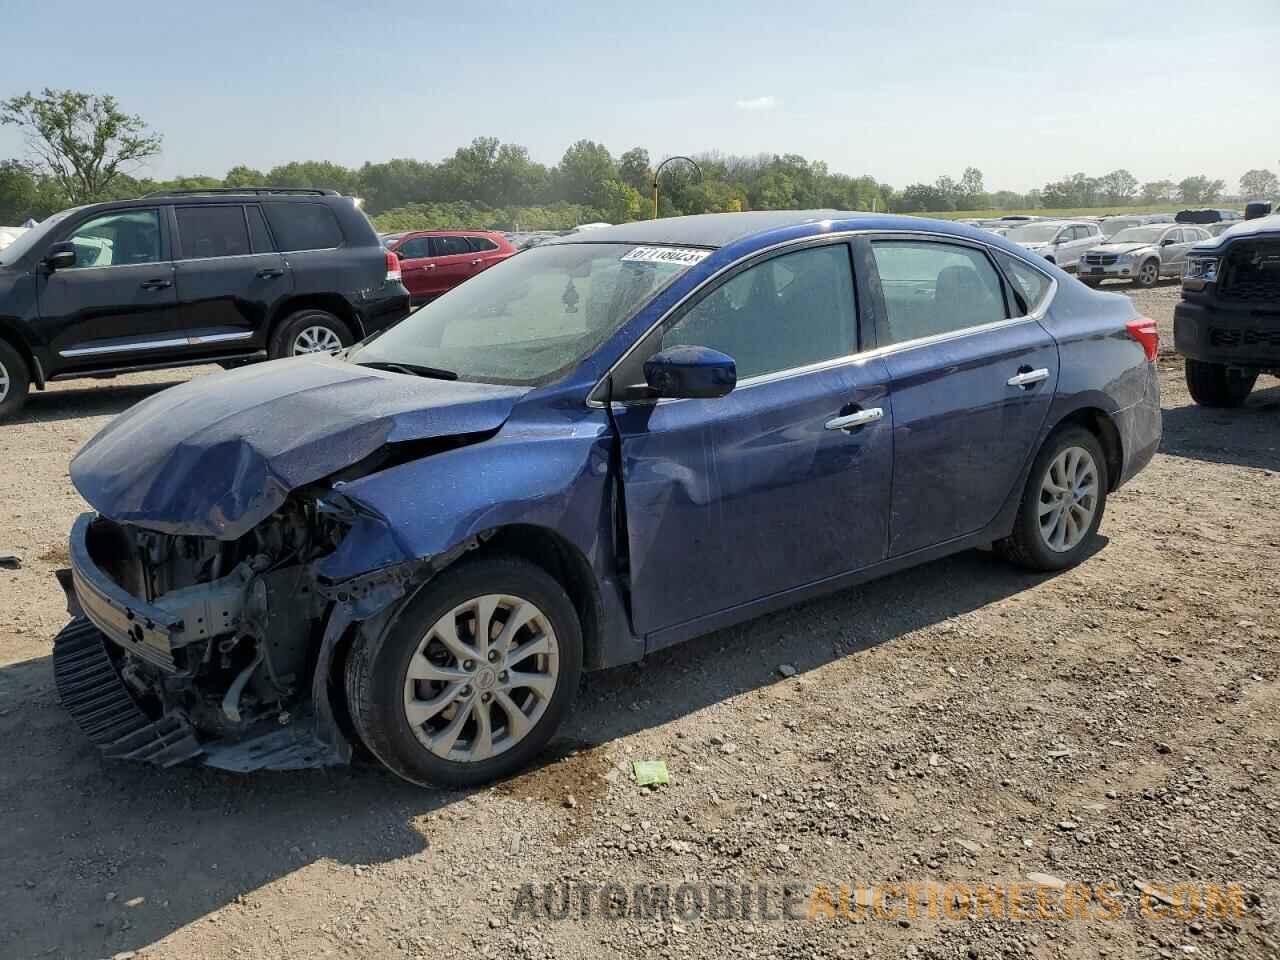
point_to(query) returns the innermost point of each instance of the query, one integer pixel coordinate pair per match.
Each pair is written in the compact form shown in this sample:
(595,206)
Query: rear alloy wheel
(14,381)
(474,676)
(310,331)
(1148,274)
(1062,504)
(1217,385)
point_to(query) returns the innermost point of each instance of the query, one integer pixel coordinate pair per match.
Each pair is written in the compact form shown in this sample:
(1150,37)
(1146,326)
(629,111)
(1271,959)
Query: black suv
(190,277)
(1228,323)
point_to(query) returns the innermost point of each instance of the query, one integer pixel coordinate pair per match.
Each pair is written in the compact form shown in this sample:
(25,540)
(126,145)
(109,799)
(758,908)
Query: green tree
(1259,185)
(1199,189)
(634,170)
(583,170)
(83,141)
(1118,186)
(1158,191)
(242,176)
(972,193)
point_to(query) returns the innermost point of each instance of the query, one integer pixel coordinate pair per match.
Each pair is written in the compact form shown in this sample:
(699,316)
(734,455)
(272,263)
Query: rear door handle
(1026,378)
(156,284)
(270,273)
(475,263)
(859,418)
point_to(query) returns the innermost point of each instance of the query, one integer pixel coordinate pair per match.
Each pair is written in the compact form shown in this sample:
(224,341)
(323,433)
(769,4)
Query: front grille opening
(1251,273)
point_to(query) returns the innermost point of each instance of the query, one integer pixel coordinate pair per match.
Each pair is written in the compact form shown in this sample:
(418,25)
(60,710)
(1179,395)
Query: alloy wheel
(1149,273)
(4,382)
(481,678)
(316,340)
(1068,499)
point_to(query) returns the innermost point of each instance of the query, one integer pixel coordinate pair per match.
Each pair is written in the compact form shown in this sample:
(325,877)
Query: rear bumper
(389,309)
(1243,338)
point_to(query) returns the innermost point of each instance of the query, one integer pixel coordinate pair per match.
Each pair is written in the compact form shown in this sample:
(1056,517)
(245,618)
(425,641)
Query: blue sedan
(608,444)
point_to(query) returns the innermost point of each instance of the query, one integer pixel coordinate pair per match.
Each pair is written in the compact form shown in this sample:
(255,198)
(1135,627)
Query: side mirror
(691,372)
(60,256)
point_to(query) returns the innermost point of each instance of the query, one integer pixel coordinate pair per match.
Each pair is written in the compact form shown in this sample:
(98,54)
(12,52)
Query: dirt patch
(942,726)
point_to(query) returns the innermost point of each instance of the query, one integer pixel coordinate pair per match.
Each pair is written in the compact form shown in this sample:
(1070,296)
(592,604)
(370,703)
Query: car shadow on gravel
(1248,436)
(123,855)
(73,404)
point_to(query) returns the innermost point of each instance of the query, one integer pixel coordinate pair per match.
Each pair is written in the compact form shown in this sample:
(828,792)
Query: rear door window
(449,246)
(303,226)
(935,288)
(212,231)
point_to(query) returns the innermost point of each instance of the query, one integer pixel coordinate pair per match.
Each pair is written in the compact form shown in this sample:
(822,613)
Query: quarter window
(787,312)
(118,239)
(303,226)
(212,231)
(935,288)
(1030,286)
(481,244)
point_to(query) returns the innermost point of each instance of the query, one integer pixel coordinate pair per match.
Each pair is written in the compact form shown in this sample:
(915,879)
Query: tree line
(83,148)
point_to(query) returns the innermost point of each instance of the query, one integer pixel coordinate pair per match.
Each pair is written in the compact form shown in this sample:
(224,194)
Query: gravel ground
(959,723)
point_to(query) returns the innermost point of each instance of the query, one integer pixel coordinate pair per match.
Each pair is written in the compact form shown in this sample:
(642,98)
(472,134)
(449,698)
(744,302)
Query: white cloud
(759,103)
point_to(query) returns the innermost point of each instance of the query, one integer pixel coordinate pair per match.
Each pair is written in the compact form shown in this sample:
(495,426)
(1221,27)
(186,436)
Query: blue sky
(900,90)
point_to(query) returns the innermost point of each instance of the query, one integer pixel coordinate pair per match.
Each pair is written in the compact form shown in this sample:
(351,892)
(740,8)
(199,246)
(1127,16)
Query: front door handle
(156,284)
(1027,377)
(859,418)
(270,273)
(475,263)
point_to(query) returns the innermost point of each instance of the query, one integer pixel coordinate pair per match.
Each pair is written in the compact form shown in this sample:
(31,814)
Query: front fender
(547,477)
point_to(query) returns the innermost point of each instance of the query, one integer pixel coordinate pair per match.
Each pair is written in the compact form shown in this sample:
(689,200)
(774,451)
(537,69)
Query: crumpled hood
(215,456)
(1119,247)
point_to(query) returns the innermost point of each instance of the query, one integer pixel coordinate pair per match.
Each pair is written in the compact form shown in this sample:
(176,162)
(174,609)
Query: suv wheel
(1148,273)
(1217,385)
(1062,505)
(309,331)
(472,678)
(14,380)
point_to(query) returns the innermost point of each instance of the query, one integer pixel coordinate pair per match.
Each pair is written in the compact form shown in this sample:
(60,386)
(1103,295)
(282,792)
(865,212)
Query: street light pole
(659,171)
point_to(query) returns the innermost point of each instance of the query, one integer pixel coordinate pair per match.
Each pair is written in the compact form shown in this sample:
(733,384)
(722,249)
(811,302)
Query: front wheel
(1217,385)
(1147,274)
(473,677)
(1062,504)
(14,381)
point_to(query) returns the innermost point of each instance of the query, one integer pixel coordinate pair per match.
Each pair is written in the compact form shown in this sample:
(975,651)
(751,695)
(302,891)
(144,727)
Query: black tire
(1095,284)
(15,381)
(376,672)
(1217,385)
(1026,546)
(286,334)
(1147,278)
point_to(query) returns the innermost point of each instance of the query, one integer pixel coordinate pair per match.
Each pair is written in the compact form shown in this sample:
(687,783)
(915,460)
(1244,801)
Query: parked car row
(190,277)
(433,262)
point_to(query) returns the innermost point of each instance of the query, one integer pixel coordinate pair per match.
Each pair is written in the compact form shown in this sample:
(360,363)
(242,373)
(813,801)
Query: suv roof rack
(257,191)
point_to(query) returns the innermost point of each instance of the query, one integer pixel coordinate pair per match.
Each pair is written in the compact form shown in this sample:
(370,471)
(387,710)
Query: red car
(434,261)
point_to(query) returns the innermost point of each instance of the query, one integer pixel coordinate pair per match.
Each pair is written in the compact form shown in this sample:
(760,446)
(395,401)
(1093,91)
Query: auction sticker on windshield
(684,255)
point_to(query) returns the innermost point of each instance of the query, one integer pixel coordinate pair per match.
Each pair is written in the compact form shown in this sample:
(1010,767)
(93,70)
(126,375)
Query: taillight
(1144,330)
(393,267)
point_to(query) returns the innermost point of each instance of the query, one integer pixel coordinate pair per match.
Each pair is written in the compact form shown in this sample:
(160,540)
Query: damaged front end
(186,647)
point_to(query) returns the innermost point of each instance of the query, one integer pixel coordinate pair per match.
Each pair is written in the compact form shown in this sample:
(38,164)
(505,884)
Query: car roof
(450,233)
(715,230)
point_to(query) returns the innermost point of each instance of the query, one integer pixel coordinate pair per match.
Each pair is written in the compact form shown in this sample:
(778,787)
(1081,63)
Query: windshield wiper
(414,369)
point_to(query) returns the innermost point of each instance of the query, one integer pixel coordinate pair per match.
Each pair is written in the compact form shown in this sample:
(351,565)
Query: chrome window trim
(115,266)
(1035,315)
(231,256)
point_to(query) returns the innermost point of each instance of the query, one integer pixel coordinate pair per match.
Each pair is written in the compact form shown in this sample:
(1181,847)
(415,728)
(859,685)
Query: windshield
(31,238)
(1138,235)
(528,319)
(1034,233)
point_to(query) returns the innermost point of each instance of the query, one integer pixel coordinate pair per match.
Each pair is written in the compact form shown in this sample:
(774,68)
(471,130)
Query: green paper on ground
(650,772)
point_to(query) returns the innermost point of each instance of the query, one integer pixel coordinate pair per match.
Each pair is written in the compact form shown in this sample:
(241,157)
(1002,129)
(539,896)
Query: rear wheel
(14,380)
(1062,504)
(1147,274)
(309,331)
(1217,385)
(473,677)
